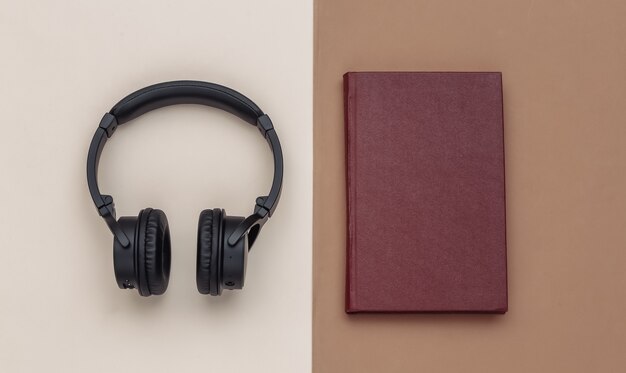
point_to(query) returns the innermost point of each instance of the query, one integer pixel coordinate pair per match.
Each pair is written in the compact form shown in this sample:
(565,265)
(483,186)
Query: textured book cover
(425,192)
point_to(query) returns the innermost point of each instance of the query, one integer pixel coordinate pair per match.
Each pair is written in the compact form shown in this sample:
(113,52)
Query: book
(425,192)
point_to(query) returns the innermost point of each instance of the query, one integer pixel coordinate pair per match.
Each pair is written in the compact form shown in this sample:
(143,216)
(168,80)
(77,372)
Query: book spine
(349,90)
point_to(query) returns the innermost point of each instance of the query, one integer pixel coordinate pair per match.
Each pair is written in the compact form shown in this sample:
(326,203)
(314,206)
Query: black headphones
(141,245)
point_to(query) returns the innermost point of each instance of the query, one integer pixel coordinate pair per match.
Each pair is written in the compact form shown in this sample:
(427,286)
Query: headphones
(141,245)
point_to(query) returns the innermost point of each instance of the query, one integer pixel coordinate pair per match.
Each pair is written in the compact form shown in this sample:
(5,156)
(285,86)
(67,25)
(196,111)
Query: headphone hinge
(107,207)
(107,212)
(108,123)
(264,124)
(260,209)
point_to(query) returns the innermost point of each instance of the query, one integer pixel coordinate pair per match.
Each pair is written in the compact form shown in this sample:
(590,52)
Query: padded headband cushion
(157,252)
(204,256)
(185,92)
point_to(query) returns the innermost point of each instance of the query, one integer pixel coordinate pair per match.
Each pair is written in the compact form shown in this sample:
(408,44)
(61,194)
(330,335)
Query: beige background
(63,65)
(564,72)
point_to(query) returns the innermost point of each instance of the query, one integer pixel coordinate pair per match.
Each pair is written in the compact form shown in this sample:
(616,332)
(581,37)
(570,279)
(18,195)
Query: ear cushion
(207,255)
(157,252)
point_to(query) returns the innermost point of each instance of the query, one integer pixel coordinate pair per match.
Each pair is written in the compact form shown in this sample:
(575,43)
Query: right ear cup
(208,261)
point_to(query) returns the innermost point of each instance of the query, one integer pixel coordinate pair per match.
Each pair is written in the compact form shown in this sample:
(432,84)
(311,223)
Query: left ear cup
(153,252)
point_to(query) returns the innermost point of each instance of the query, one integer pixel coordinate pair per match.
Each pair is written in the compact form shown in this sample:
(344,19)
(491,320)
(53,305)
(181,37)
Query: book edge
(349,113)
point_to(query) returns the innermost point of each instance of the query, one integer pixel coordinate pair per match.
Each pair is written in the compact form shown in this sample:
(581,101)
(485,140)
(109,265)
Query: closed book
(425,192)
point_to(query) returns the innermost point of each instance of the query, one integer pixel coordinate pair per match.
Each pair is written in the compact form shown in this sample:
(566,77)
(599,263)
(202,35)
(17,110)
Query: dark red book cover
(425,192)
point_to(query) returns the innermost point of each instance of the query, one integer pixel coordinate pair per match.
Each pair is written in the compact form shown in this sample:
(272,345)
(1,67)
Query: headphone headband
(185,92)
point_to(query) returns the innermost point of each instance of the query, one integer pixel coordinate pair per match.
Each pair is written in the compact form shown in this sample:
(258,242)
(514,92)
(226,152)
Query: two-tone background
(64,64)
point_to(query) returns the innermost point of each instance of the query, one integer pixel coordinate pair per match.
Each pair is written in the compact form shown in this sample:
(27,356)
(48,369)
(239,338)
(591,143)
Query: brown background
(564,75)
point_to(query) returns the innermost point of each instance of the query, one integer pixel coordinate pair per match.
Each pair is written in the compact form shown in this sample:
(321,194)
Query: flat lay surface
(65,64)
(564,81)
